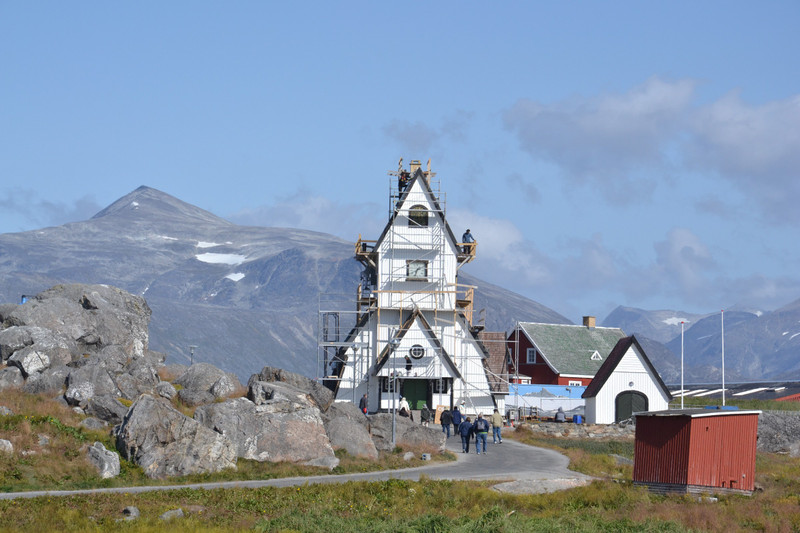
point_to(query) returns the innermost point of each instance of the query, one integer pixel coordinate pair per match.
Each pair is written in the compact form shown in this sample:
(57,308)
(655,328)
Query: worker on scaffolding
(468,241)
(402,181)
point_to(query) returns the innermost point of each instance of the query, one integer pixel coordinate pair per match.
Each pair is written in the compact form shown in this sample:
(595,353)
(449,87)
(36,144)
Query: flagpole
(682,389)
(722,325)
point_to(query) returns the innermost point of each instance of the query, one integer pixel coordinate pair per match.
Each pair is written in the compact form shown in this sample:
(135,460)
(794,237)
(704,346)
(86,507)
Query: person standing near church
(446,419)
(481,429)
(497,424)
(363,404)
(457,419)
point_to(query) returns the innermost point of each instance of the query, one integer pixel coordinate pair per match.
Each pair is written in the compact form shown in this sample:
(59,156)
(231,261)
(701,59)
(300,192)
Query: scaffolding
(409,272)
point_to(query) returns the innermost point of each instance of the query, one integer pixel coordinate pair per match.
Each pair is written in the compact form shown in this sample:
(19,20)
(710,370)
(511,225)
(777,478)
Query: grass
(50,454)
(611,503)
(760,405)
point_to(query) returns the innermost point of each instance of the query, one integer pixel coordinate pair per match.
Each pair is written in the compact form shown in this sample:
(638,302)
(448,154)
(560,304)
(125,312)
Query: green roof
(568,349)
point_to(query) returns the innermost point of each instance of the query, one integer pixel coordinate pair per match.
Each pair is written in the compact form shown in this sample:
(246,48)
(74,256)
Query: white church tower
(413,334)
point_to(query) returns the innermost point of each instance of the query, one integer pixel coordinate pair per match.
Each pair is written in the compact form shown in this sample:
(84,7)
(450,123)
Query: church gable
(417,352)
(416,213)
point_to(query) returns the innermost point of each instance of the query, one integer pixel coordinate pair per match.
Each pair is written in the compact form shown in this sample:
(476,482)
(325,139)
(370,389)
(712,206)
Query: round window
(416,351)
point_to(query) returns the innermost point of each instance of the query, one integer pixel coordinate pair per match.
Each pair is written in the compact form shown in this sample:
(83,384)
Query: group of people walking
(466,428)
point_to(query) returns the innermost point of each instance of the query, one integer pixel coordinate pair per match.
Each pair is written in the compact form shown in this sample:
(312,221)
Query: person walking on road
(497,424)
(457,419)
(446,419)
(481,429)
(465,430)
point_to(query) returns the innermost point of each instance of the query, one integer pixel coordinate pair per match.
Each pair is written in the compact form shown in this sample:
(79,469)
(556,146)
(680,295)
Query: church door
(416,392)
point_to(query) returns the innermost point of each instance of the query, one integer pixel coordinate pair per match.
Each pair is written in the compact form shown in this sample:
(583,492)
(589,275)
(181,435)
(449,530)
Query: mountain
(243,297)
(758,345)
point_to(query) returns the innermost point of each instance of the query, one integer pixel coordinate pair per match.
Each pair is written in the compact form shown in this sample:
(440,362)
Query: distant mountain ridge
(243,296)
(758,345)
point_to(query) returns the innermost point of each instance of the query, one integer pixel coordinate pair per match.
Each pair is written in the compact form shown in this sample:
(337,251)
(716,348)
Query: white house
(626,383)
(413,335)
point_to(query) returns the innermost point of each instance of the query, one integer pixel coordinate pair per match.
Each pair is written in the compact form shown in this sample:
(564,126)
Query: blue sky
(616,153)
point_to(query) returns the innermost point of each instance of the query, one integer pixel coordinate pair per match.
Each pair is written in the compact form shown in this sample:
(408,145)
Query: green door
(629,402)
(416,392)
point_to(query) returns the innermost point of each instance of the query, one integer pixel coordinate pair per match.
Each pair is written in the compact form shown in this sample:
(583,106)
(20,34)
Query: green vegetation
(51,437)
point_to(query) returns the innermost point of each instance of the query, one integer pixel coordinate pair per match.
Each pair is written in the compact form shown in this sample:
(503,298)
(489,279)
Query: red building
(696,450)
(560,354)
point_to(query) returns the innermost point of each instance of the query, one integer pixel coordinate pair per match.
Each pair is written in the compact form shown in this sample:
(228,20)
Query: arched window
(627,403)
(418,216)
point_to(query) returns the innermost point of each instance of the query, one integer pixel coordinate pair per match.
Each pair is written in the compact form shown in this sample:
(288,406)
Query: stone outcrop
(284,424)
(321,395)
(779,432)
(203,383)
(407,434)
(165,442)
(106,461)
(348,428)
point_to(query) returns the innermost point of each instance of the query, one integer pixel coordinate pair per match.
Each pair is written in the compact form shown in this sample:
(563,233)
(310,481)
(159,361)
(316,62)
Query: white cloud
(304,210)
(623,143)
(608,139)
(756,148)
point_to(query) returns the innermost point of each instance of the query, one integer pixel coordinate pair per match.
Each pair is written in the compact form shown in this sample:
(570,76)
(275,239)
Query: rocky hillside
(88,346)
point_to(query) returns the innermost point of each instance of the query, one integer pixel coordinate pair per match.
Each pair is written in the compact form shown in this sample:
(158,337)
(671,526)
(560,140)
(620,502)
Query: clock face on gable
(417,270)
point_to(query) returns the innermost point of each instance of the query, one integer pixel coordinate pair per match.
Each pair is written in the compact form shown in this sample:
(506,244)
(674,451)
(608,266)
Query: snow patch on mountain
(221,259)
(674,321)
(236,276)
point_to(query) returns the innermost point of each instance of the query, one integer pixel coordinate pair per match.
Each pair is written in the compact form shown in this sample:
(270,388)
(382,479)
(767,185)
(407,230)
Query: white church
(413,334)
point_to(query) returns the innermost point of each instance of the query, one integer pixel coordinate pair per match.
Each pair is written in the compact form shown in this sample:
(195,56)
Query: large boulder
(407,434)
(88,381)
(321,395)
(55,345)
(30,361)
(106,407)
(165,442)
(106,461)
(348,428)
(51,380)
(275,431)
(91,316)
(203,383)
(11,377)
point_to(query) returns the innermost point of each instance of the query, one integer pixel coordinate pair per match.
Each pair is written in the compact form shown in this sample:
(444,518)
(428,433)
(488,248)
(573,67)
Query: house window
(441,386)
(531,356)
(416,270)
(418,216)
(388,383)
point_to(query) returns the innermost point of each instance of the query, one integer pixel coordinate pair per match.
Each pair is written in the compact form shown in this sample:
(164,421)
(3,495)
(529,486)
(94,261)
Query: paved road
(517,467)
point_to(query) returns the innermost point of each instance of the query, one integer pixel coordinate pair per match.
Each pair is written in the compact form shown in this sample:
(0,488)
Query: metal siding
(661,449)
(723,451)
(708,451)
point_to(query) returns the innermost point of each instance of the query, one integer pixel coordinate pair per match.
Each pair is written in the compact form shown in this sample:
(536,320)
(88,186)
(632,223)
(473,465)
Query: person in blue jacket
(481,429)
(465,430)
(457,419)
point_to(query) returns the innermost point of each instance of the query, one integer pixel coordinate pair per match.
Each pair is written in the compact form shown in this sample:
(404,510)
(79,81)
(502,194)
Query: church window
(418,216)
